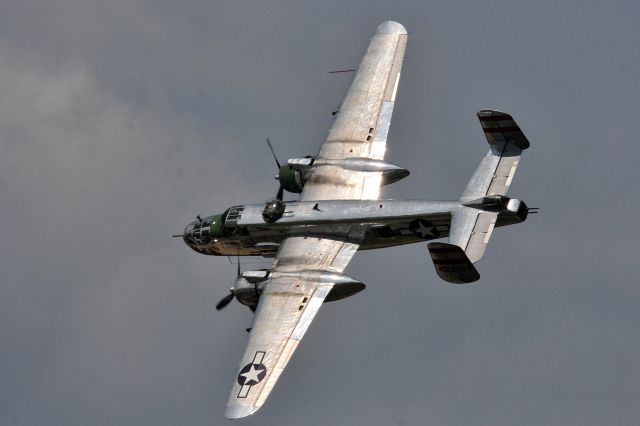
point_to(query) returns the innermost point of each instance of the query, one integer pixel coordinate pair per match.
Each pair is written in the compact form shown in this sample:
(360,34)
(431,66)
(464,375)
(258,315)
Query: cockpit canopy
(203,230)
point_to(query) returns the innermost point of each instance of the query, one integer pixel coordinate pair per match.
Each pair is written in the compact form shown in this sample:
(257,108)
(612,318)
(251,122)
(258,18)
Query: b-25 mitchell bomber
(339,212)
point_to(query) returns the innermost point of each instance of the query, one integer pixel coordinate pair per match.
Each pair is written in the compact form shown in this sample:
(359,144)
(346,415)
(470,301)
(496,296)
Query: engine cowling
(249,286)
(297,171)
(246,293)
(291,179)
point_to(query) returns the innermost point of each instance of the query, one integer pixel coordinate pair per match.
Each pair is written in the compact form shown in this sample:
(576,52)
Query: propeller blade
(224,301)
(274,153)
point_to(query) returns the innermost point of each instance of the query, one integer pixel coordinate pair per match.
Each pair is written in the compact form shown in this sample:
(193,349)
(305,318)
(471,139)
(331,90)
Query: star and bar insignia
(251,374)
(424,229)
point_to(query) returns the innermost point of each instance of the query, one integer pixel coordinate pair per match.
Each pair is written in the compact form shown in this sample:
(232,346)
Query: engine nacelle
(293,179)
(246,292)
(248,287)
(297,171)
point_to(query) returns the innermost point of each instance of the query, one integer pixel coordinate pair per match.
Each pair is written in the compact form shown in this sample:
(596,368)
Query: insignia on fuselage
(424,229)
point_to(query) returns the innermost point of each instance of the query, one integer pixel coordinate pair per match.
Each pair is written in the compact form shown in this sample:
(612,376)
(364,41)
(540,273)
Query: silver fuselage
(386,223)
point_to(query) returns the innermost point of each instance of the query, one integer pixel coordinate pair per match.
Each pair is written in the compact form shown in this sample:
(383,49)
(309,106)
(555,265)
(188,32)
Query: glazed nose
(189,233)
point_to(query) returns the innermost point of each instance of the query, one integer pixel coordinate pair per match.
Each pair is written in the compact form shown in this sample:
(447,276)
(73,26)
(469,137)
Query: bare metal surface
(496,170)
(471,229)
(360,130)
(288,305)
(339,211)
(285,311)
(331,219)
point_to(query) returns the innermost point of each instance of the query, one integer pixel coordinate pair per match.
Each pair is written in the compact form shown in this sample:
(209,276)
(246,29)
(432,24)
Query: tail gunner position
(338,213)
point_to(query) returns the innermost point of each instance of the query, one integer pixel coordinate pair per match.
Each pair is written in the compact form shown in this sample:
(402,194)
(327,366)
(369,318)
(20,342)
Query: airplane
(339,212)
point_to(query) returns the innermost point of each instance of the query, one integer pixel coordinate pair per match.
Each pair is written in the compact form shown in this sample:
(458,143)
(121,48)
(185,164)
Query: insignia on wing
(251,374)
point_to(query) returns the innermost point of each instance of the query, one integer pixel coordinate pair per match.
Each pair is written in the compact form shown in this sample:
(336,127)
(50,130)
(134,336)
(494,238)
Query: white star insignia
(424,231)
(252,374)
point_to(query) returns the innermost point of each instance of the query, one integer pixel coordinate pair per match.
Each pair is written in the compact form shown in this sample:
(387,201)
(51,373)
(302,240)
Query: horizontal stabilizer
(452,264)
(496,170)
(501,127)
(471,228)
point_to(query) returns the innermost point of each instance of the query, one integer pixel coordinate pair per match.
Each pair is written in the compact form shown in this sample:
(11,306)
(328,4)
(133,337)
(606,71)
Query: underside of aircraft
(312,239)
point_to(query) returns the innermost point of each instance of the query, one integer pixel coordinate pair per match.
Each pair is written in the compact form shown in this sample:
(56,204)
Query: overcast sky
(122,120)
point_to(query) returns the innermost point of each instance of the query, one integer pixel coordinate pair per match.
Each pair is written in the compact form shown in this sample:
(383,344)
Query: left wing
(362,122)
(287,306)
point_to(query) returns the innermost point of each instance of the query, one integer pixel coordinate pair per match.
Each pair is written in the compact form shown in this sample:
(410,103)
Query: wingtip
(492,113)
(239,411)
(391,27)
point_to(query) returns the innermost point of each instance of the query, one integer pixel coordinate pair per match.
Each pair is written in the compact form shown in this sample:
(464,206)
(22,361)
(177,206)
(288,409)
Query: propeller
(225,300)
(280,192)
(273,153)
(229,297)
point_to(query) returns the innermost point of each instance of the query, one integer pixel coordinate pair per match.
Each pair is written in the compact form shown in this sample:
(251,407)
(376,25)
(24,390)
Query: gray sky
(122,120)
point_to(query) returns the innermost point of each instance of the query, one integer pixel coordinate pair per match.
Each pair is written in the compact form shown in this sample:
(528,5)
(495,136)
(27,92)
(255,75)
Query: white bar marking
(395,88)
(488,235)
(511,173)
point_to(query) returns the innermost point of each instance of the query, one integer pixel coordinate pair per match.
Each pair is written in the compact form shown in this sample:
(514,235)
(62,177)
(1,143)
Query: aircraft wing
(362,121)
(285,311)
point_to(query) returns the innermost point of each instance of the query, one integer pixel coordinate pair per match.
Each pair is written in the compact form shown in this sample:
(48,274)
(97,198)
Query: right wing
(362,122)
